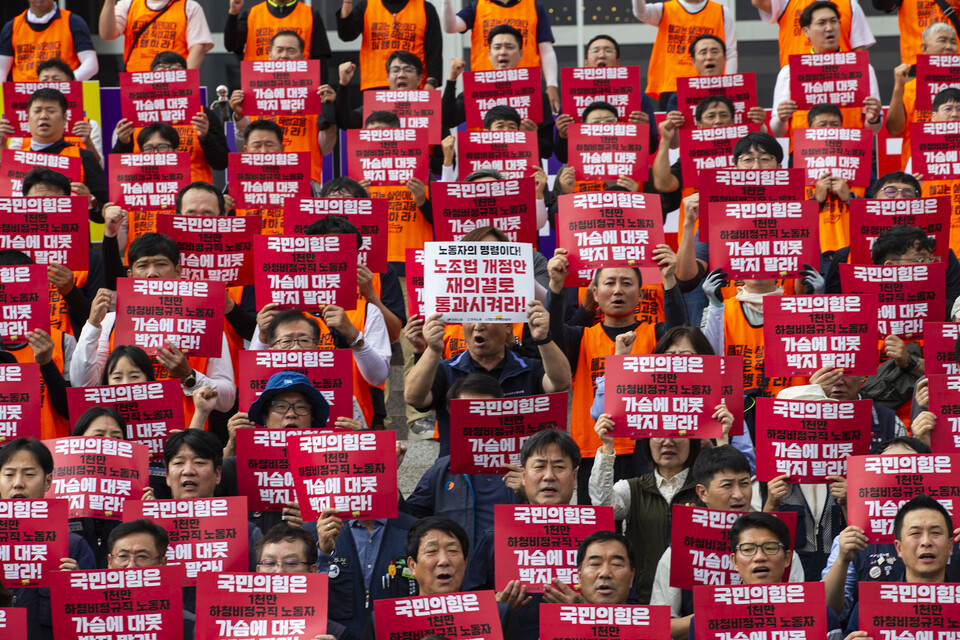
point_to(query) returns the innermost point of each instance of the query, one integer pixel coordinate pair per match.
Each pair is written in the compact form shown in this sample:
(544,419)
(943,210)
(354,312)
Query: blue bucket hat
(284,382)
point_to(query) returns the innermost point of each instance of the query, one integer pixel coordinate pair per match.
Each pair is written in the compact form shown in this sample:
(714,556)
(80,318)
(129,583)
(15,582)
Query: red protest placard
(935,150)
(16,94)
(794,610)
(207,535)
(416,109)
(700,546)
(802,334)
(20,393)
(939,344)
(13,622)
(537,543)
(607,151)
(263,467)
(217,249)
(739,88)
(272,87)
(843,153)
(663,396)
(243,606)
(468,616)
(118,604)
(589,621)
(388,156)
(306,272)
(413,275)
(354,472)
(515,154)
(266,180)
(877,486)
(17,164)
(934,74)
(902,610)
(508,205)
(329,372)
(171,96)
(23,301)
(870,218)
(97,475)
(709,148)
(49,230)
(764,239)
(151,311)
(368,215)
(493,430)
(33,538)
(148,181)
(609,229)
(840,78)
(945,404)
(617,86)
(720,186)
(908,294)
(810,439)
(150,409)
(477,281)
(731,375)
(517,88)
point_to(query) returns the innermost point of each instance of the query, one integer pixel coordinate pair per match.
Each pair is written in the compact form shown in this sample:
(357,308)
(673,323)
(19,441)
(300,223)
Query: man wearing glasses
(137,544)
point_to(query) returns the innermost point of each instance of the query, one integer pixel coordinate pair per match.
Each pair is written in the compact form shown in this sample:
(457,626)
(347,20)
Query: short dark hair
(263,125)
(407,58)
(762,142)
(501,112)
(760,520)
(598,105)
(166,131)
(605,536)
(290,316)
(30,445)
(603,36)
(699,341)
(899,239)
(153,244)
(201,186)
(167,58)
(423,526)
(946,96)
(59,65)
(135,354)
(160,536)
(91,414)
(824,108)
(485,172)
(806,17)
(479,233)
(387,118)
(895,176)
(477,384)
(283,532)
(502,29)
(343,184)
(48,94)
(334,225)
(691,458)
(288,32)
(706,36)
(547,437)
(203,444)
(715,460)
(14,258)
(636,271)
(47,178)
(907,441)
(709,101)
(916,503)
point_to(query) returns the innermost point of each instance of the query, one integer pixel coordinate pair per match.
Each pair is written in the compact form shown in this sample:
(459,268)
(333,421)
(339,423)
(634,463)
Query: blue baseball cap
(284,382)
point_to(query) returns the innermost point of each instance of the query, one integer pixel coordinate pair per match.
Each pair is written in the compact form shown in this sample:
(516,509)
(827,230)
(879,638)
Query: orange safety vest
(670,57)
(59,316)
(72,151)
(915,16)
(649,307)
(52,424)
(271,220)
(454,342)
(139,223)
(189,143)
(407,228)
(792,40)
(384,33)
(743,339)
(950,188)
(262,25)
(300,134)
(30,47)
(361,388)
(522,17)
(834,219)
(166,33)
(594,347)
(730,290)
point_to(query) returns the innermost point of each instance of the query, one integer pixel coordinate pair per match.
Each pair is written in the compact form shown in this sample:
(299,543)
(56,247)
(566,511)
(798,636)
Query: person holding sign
(139,543)
(26,473)
(151,26)
(86,131)
(606,565)
(404,73)
(854,32)
(44,32)
(596,113)
(946,108)
(248,32)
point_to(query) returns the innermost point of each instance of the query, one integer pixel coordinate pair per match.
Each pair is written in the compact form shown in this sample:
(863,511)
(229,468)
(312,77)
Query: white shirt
(860,34)
(652,13)
(781,93)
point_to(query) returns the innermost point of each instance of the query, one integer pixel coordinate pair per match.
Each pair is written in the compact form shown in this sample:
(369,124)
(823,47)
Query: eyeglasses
(157,148)
(289,564)
(281,407)
(748,549)
(763,161)
(893,192)
(914,260)
(139,560)
(304,342)
(395,71)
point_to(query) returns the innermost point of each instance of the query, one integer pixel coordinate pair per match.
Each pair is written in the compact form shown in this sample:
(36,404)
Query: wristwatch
(358,342)
(546,340)
(190,381)
(912,363)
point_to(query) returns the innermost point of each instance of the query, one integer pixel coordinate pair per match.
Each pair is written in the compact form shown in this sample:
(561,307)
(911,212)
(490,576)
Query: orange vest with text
(670,57)
(594,347)
(406,227)
(59,316)
(522,17)
(189,143)
(262,25)
(361,388)
(743,339)
(834,219)
(913,17)
(384,33)
(300,135)
(30,47)
(951,189)
(167,33)
(792,40)
(72,151)
(52,424)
